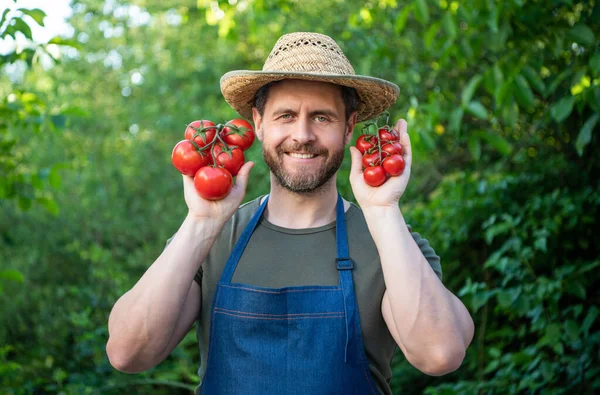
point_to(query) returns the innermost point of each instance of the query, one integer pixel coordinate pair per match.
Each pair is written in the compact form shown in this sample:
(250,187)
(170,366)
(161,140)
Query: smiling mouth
(300,156)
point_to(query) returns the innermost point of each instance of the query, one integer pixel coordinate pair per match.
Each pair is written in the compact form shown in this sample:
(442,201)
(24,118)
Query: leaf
(507,297)
(429,37)
(37,14)
(456,119)
(449,25)
(402,18)
(495,140)
(585,134)
(510,113)
(523,92)
(422,12)
(50,205)
(589,319)
(11,275)
(534,79)
(66,42)
(595,63)
(24,203)
(556,81)
(21,26)
(3,18)
(582,34)
(572,330)
(477,109)
(467,93)
(474,145)
(54,177)
(562,109)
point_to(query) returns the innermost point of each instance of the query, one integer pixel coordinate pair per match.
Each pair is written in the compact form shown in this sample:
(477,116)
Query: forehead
(315,93)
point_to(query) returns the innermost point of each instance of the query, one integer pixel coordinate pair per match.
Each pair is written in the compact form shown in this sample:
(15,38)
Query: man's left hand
(392,190)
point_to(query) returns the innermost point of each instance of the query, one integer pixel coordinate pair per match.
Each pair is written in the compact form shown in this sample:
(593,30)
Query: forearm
(143,319)
(429,321)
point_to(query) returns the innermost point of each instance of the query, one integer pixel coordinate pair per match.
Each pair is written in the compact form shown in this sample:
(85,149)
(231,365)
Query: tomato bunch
(213,155)
(382,155)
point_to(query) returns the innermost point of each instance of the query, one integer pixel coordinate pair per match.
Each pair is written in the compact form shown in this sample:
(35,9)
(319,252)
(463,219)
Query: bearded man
(298,291)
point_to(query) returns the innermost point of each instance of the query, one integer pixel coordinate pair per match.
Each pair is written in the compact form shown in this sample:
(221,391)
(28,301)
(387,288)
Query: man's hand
(392,190)
(217,210)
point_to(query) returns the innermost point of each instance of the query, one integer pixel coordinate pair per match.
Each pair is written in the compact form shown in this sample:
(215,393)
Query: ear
(350,124)
(257,118)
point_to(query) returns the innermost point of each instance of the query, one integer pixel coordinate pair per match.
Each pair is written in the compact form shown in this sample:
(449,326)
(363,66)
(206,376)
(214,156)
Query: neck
(299,211)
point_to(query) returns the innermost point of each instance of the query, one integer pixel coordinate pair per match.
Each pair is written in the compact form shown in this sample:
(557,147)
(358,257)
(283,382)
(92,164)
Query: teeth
(301,156)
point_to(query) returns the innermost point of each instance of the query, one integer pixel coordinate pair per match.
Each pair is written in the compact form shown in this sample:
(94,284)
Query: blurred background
(503,104)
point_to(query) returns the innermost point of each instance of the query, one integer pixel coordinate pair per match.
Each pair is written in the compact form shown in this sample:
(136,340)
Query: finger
(356,157)
(241,180)
(401,127)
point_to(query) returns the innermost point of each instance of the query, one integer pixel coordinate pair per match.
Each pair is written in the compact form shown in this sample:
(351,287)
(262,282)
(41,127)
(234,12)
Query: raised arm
(148,321)
(431,325)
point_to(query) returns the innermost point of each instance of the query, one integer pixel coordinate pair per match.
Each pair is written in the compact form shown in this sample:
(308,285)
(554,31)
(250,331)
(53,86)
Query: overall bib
(295,340)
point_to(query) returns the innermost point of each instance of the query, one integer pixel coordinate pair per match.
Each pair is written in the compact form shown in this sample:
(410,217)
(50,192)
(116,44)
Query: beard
(303,180)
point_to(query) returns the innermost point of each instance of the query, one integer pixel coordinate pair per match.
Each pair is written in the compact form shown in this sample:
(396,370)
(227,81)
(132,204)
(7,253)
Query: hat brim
(375,95)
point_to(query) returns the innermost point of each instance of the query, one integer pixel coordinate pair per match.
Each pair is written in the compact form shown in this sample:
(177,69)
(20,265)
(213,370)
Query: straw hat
(308,56)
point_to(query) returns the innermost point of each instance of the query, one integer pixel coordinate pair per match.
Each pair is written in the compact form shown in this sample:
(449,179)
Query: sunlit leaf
(421,11)
(35,13)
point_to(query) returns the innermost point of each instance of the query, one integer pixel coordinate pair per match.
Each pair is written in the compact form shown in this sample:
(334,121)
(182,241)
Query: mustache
(305,148)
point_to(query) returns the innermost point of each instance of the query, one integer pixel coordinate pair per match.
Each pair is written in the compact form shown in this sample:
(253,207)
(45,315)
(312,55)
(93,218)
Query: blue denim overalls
(295,340)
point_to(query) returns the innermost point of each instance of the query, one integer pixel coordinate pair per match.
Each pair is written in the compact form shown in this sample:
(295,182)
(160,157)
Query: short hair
(349,97)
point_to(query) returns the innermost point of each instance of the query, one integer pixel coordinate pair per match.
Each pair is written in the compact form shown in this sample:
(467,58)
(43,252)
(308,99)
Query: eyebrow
(326,112)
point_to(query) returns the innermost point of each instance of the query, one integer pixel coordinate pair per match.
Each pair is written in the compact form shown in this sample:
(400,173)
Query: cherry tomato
(204,137)
(394,165)
(365,142)
(187,159)
(392,148)
(373,159)
(374,176)
(231,159)
(387,135)
(242,138)
(213,183)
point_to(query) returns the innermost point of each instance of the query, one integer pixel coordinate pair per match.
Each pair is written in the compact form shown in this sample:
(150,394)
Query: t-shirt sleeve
(428,252)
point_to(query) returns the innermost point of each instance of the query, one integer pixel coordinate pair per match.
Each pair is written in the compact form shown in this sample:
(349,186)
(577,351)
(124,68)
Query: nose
(303,132)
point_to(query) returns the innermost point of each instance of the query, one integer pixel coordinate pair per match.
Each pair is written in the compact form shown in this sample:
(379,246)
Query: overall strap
(345,266)
(240,246)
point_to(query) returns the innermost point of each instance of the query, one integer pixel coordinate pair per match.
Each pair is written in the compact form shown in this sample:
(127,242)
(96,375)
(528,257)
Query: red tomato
(213,183)
(392,148)
(387,135)
(374,176)
(243,138)
(187,159)
(231,159)
(204,137)
(394,165)
(372,159)
(365,142)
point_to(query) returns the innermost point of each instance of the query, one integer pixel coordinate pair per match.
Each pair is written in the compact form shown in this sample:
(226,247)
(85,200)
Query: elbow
(124,359)
(443,362)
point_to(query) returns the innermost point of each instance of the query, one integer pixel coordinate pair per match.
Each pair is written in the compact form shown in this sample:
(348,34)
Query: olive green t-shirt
(277,257)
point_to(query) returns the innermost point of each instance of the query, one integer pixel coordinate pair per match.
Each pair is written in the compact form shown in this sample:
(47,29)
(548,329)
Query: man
(298,291)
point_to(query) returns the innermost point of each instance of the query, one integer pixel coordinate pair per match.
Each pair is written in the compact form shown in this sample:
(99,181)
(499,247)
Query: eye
(285,116)
(321,118)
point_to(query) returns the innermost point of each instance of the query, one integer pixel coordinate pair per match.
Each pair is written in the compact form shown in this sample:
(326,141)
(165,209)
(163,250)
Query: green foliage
(502,100)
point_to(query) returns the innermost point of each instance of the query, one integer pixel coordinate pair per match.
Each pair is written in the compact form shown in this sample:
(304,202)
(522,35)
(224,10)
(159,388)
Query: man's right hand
(216,210)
